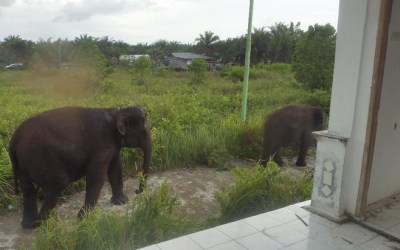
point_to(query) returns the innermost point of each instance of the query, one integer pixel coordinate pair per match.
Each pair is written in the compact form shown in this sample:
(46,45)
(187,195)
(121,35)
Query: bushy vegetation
(154,217)
(198,69)
(314,56)
(259,190)
(191,124)
(141,68)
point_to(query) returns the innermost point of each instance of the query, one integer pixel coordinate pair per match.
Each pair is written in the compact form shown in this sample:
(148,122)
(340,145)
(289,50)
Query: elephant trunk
(146,147)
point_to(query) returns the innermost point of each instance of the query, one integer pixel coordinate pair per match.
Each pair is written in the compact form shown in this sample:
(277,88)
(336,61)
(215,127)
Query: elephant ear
(122,123)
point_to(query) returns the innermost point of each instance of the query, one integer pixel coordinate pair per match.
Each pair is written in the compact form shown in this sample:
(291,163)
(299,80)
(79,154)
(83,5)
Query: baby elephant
(56,147)
(289,126)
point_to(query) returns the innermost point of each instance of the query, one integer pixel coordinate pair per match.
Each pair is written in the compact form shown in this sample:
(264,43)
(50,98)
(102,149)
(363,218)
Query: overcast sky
(146,21)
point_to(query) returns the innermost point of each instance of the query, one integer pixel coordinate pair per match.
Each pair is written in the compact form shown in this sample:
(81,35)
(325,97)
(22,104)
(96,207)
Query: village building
(181,61)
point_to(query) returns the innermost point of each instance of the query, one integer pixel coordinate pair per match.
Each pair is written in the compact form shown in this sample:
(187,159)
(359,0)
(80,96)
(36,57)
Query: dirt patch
(194,188)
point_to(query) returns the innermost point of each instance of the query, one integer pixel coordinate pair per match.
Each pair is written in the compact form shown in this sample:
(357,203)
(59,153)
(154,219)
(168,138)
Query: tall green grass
(190,124)
(259,190)
(151,219)
(153,216)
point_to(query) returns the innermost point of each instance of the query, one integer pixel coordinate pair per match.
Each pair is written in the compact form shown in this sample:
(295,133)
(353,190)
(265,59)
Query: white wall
(350,35)
(385,175)
(355,52)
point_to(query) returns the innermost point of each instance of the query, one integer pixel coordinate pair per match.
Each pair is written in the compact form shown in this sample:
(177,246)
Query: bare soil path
(195,188)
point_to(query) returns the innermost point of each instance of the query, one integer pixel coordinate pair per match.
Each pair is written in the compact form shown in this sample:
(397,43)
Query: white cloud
(5,3)
(146,21)
(78,11)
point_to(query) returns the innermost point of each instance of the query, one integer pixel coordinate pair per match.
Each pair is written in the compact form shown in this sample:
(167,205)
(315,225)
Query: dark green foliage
(314,57)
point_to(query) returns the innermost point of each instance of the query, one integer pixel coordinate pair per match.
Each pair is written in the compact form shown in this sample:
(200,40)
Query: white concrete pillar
(340,148)
(328,175)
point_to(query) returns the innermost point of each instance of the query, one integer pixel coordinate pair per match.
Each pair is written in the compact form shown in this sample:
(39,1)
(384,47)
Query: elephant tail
(14,163)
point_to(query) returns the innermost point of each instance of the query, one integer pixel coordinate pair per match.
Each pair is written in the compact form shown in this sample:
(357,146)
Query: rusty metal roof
(189,56)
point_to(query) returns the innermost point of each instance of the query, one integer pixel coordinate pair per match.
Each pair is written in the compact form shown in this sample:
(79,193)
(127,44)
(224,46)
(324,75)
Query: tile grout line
(375,230)
(232,239)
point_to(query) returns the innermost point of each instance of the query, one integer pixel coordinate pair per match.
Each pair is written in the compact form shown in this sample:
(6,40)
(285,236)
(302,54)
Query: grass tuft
(151,219)
(261,189)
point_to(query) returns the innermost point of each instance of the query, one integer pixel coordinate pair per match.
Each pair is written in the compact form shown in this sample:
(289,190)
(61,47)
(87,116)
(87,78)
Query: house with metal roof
(180,61)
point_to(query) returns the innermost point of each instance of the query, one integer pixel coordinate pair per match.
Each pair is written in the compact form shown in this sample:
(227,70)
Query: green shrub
(259,190)
(154,218)
(319,98)
(141,67)
(197,68)
(89,59)
(314,56)
(234,73)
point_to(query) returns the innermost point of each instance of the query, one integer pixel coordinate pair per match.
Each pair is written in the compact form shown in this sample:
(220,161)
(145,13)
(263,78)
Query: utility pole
(247,63)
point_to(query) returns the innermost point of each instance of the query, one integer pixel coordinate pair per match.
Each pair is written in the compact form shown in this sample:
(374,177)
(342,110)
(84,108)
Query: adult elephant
(289,126)
(54,148)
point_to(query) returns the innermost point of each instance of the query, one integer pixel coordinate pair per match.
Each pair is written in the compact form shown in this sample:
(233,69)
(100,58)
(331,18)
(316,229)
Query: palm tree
(16,49)
(207,41)
(106,46)
(83,38)
(260,43)
(283,41)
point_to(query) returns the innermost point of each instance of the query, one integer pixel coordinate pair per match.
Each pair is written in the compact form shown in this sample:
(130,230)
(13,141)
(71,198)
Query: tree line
(310,52)
(273,44)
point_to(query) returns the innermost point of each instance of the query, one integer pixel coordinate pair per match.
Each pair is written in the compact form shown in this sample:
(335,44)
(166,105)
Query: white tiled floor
(386,219)
(287,228)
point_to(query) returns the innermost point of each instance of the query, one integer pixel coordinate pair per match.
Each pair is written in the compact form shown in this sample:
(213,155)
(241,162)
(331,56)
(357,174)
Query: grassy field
(191,124)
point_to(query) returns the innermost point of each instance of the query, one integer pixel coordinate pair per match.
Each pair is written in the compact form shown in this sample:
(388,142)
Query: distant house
(130,58)
(181,61)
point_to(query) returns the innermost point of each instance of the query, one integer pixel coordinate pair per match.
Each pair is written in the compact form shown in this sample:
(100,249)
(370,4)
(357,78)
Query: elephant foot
(139,190)
(30,223)
(119,200)
(142,187)
(301,163)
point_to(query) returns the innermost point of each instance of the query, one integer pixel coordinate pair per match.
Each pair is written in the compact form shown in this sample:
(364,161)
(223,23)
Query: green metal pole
(247,63)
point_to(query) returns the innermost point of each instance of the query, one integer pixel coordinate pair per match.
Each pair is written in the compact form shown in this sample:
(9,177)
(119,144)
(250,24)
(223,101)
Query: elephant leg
(304,145)
(94,183)
(266,155)
(278,159)
(115,178)
(49,202)
(271,154)
(30,215)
